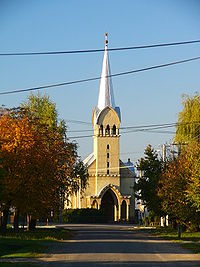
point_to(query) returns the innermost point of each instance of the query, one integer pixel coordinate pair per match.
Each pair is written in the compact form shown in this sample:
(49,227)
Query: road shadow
(121,264)
(115,241)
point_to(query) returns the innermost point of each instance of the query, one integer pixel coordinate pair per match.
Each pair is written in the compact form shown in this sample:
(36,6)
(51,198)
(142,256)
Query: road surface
(116,245)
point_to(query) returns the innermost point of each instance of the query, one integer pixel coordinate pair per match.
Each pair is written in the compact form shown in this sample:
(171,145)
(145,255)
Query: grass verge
(15,264)
(189,240)
(28,244)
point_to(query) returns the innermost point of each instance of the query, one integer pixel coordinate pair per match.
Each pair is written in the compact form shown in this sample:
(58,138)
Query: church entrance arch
(109,203)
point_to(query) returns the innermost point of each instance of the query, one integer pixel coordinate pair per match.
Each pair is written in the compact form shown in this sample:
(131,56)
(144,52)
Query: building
(110,184)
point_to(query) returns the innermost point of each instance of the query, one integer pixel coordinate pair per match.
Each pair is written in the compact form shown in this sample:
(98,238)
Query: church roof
(89,160)
(106,95)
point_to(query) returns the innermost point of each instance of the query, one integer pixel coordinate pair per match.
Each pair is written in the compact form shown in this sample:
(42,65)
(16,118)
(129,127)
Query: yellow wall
(98,177)
(107,117)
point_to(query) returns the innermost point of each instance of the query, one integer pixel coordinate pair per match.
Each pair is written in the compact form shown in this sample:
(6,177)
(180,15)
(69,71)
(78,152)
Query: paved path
(114,245)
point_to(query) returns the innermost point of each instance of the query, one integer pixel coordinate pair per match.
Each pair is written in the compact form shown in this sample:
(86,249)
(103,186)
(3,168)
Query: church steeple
(106,95)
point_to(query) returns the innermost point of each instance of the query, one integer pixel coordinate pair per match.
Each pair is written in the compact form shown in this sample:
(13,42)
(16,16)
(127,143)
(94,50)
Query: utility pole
(179,150)
(164,152)
(164,220)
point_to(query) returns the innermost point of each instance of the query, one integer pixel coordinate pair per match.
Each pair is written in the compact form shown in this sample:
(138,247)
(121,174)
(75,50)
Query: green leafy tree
(42,108)
(188,127)
(150,168)
(193,170)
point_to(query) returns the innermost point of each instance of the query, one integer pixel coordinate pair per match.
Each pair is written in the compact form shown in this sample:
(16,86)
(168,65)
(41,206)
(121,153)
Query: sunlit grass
(29,244)
(189,240)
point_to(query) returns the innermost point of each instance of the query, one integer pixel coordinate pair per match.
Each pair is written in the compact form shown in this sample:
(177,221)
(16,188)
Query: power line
(150,125)
(146,127)
(91,135)
(79,122)
(99,50)
(154,129)
(98,78)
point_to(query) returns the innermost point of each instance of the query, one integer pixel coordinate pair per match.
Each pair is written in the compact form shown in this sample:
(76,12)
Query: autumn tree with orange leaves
(179,188)
(36,162)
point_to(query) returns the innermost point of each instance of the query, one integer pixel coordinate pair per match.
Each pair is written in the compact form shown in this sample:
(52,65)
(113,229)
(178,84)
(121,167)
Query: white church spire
(106,96)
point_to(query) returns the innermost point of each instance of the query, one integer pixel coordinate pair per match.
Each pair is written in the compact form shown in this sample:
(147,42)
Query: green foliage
(193,170)
(42,108)
(84,216)
(150,167)
(188,128)
(81,172)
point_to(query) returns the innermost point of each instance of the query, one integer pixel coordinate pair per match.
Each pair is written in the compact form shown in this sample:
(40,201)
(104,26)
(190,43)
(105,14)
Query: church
(110,183)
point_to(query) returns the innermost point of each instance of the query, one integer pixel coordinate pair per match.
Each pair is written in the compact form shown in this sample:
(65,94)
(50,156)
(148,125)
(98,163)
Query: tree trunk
(23,221)
(179,230)
(5,220)
(32,224)
(28,222)
(16,220)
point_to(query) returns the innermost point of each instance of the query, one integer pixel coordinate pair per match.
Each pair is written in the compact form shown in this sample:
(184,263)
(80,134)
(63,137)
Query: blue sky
(145,98)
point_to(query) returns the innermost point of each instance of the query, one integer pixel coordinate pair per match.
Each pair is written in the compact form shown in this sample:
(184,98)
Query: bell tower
(106,123)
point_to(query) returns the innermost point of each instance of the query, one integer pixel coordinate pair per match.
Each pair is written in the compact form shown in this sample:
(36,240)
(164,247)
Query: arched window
(114,130)
(101,130)
(107,130)
(108,147)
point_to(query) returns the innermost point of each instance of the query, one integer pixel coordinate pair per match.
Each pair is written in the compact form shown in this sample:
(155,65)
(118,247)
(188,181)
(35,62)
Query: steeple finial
(106,38)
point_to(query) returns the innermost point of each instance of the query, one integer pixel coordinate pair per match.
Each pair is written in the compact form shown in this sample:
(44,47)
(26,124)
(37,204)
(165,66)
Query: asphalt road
(116,245)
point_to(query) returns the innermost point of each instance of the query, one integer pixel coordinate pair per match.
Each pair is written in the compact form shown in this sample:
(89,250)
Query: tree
(176,189)
(193,170)
(150,167)
(188,127)
(39,162)
(32,156)
(42,108)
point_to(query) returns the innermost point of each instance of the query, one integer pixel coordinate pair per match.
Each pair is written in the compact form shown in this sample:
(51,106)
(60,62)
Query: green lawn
(18,248)
(187,240)
(8,264)
(30,244)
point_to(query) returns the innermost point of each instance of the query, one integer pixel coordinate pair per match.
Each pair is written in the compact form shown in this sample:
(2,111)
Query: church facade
(110,183)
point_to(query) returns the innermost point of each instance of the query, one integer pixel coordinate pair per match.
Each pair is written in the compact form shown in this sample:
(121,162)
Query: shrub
(83,216)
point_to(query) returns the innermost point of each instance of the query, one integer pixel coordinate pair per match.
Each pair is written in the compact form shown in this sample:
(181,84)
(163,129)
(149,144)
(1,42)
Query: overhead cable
(99,50)
(154,129)
(98,78)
